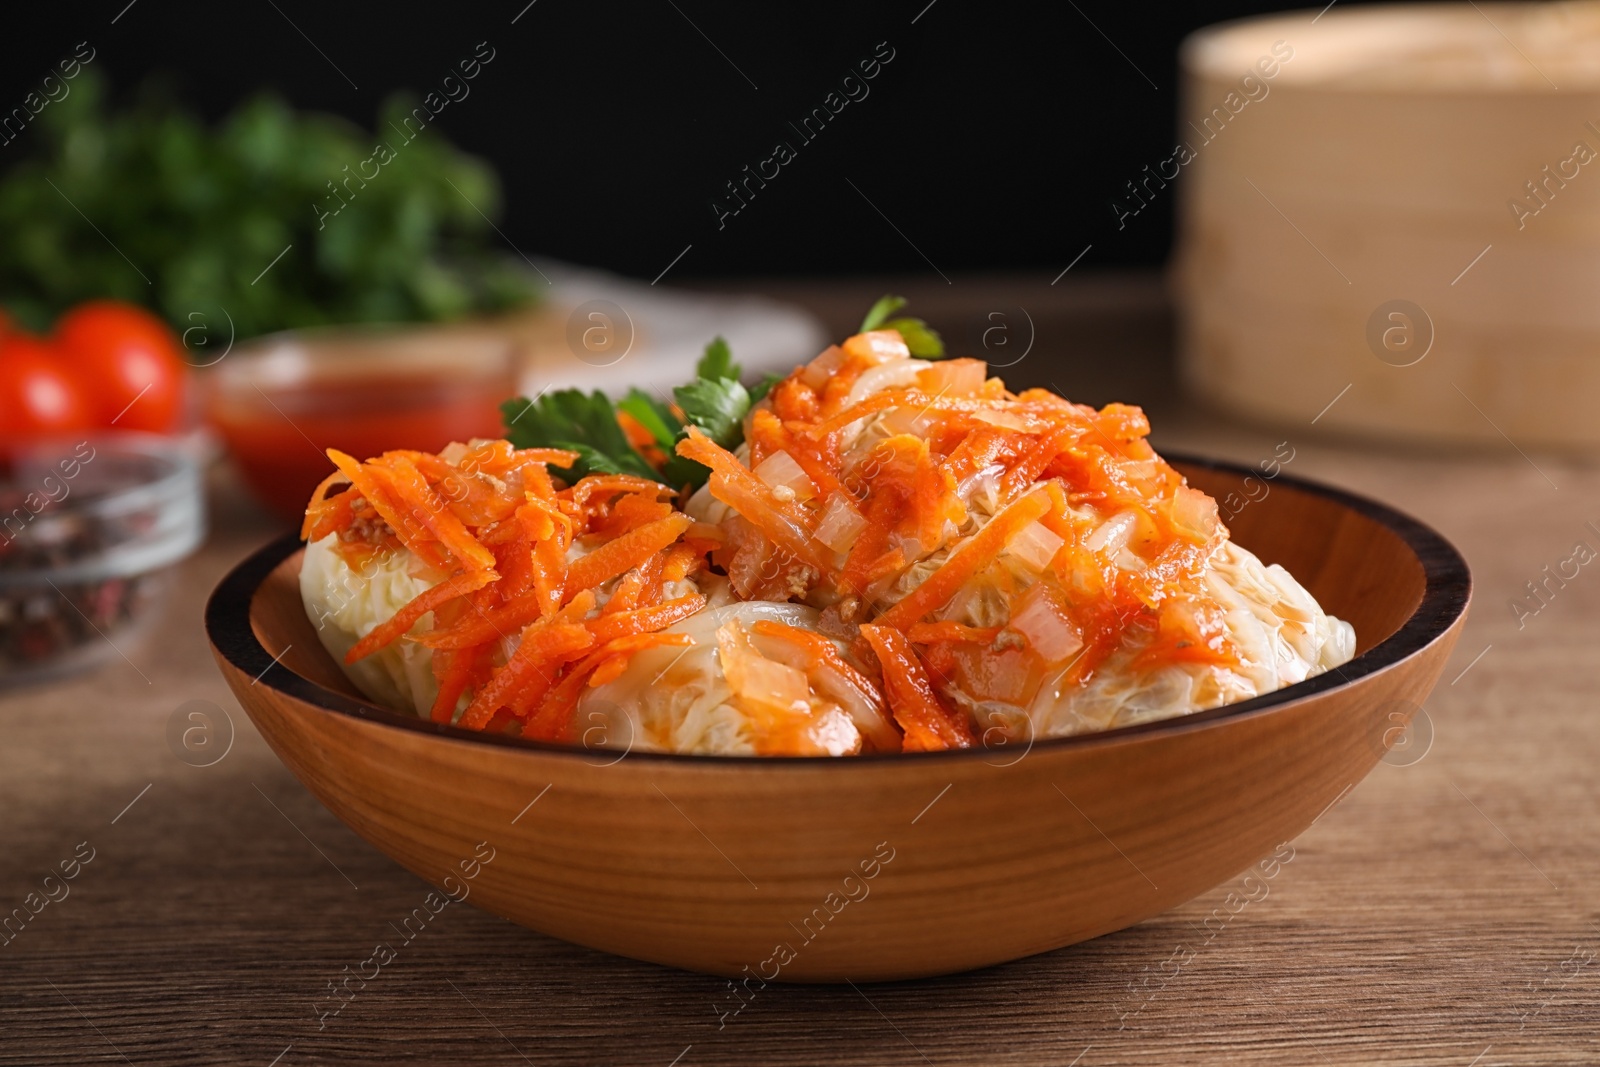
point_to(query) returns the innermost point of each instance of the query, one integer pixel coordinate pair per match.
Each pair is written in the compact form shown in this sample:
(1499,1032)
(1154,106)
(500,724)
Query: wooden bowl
(878,867)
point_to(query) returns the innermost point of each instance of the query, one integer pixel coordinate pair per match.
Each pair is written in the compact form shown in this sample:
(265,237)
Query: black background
(997,136)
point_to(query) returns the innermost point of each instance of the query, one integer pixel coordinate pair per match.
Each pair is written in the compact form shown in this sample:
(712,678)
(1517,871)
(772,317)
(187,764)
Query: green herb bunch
(152,206)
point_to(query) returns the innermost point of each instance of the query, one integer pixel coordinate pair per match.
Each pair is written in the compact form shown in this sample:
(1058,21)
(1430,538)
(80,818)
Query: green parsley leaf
(923,340)
(714,402)
(653,415)
(594,461)
(717,406)
(204,208)
(717,362)
(759,391)
(586,423)
(680,472)
(583,423)
(886,306)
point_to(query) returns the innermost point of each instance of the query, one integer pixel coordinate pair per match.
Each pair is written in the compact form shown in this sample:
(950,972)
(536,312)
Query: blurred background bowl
(280,401)
(89,530)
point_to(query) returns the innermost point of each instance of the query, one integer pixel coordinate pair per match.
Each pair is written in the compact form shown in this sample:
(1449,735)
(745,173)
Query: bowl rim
(1447,589)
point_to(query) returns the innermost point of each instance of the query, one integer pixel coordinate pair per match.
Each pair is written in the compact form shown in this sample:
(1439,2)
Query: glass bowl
(89,530)
(280,401)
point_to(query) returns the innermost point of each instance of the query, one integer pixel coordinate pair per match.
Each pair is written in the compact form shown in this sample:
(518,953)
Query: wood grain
(1413,925)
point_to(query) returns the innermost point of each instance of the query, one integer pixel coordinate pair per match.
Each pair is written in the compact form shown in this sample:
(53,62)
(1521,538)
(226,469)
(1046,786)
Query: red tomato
(37,395)
(127,362)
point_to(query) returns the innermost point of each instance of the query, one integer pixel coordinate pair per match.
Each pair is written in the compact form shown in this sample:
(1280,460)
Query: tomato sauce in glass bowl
(281,402)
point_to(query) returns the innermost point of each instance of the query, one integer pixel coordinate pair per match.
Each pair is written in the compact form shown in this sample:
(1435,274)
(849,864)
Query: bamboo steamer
(1380,164)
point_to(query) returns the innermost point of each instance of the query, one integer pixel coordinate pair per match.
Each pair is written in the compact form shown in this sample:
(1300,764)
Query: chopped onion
(786,531)
(1113,534)
(1048,631)
(909,546)
(1194,514)
(910,420)
(1127,561)
(772,684)
(756,679)
(878,346)
(1035,546)
(1138,470)
(985,483)
(894,375)
(1007,420)
(853,695)
(954,377)
(834,733)
(841,523)
(818,371)
(780,470)
(978,603)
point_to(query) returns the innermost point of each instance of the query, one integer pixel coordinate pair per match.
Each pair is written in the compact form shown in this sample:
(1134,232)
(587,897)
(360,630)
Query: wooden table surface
(1444,912)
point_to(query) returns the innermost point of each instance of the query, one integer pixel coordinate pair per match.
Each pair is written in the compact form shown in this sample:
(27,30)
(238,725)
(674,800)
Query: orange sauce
(279,445)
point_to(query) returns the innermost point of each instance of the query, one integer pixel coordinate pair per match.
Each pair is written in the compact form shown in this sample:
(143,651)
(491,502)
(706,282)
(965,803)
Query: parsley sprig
(586,423)
(714,402)
(923,340)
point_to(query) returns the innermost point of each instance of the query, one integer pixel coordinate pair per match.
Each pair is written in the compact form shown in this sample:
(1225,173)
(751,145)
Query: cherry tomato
(37,395)
(127,362)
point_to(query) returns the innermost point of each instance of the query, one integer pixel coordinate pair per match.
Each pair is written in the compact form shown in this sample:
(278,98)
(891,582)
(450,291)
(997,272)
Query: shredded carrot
(910,488)
(554,719)
(603,485)
(644,620)
(929,633)
(652,573)
(497,524)
(626,595)
(929,725)
(392,628)
(929,493)
(555,457)
(1034,461)
(628,512)
(321,514)
(515,564)
(626,552)
(818,648)
(549,575)
(872,542)
(870,406)
(609,671)
(682,560)
(387,507)
(542,650)
(642,440)
(537,480)
(456,671)
(977,450)
(427,509)
(484,627)
(973,554)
